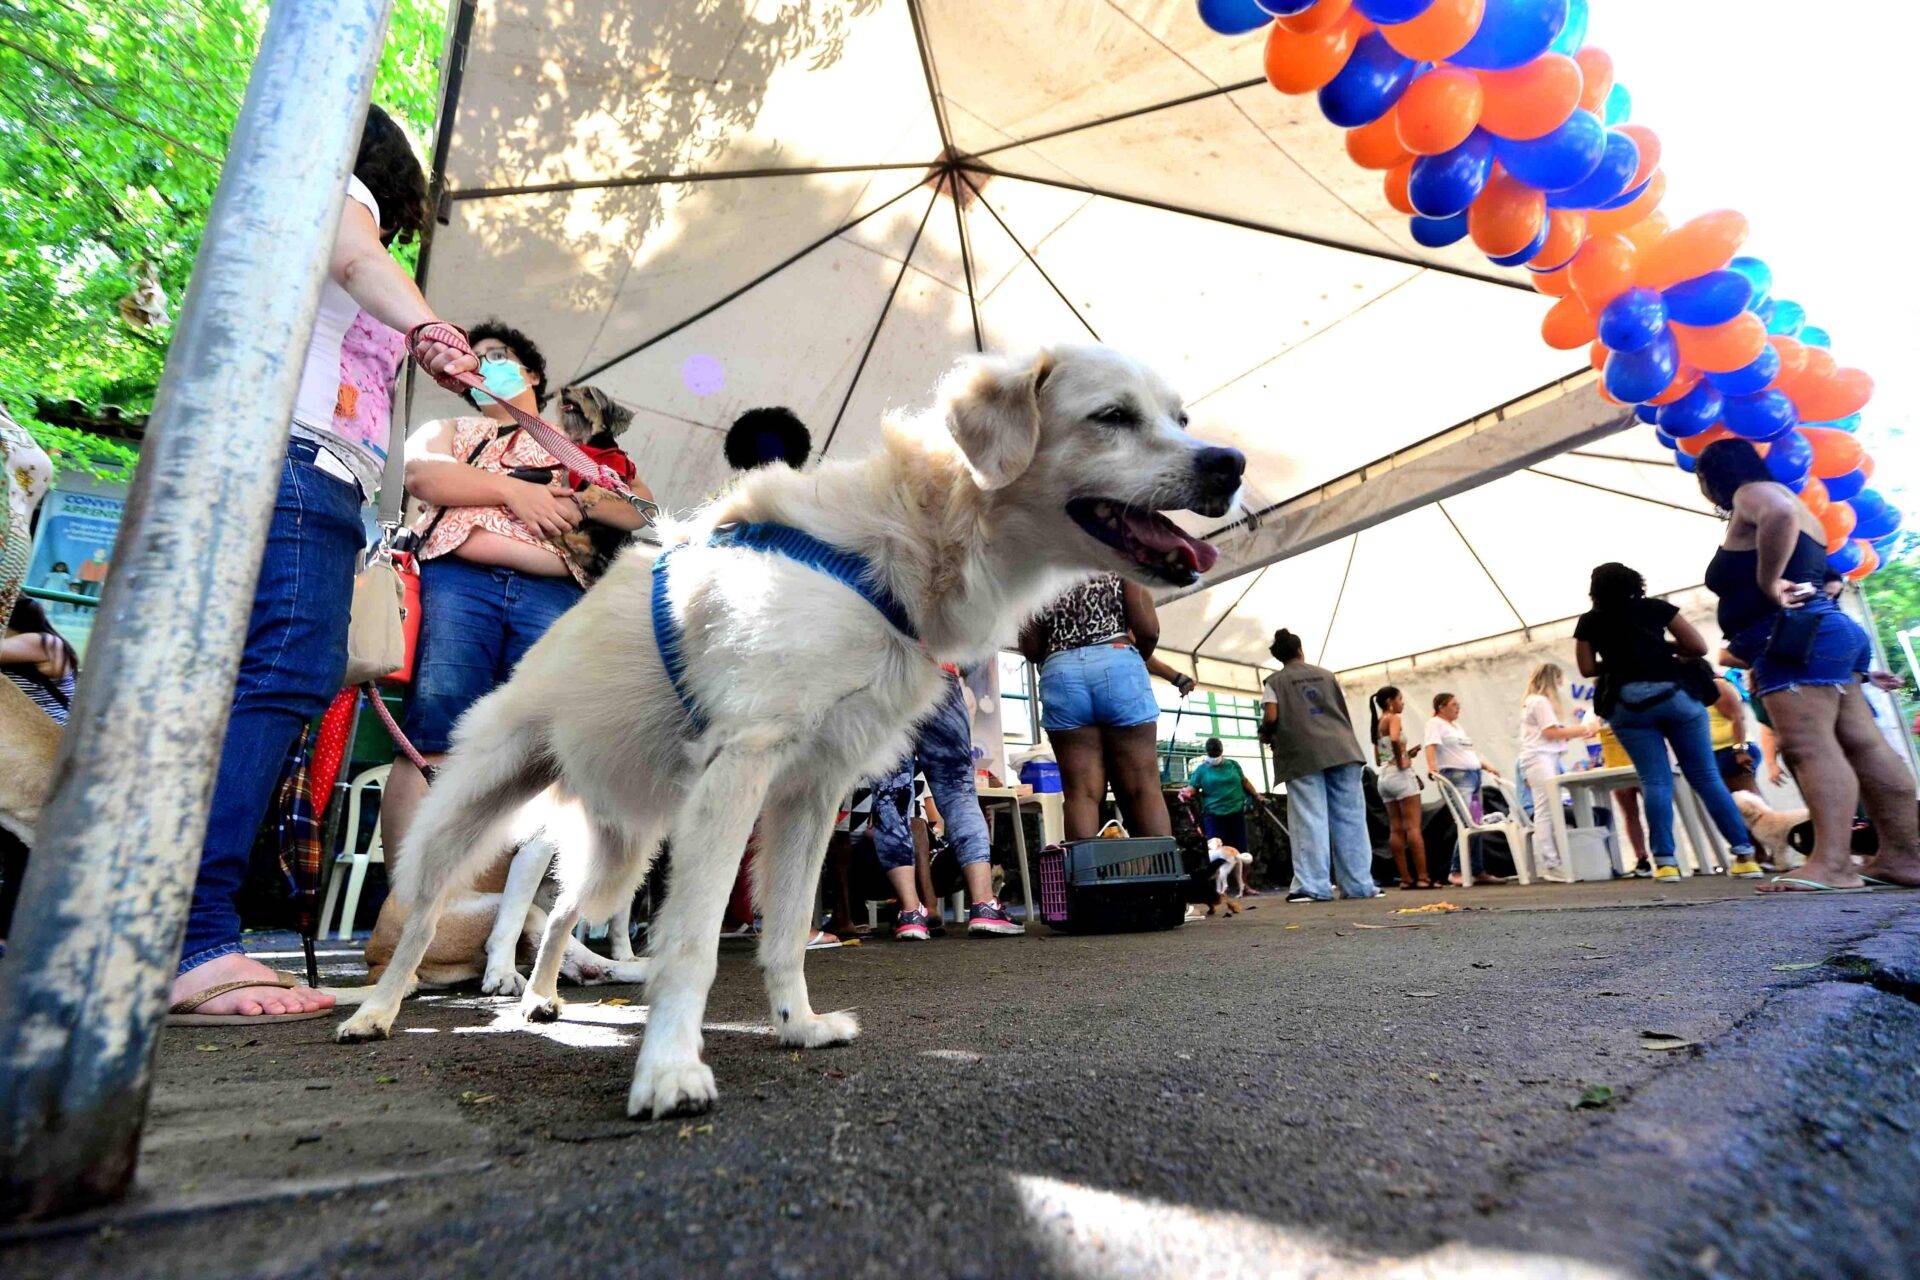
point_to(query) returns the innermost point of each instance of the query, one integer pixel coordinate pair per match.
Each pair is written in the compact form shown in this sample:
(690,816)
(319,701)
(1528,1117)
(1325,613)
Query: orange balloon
(1602,270)
(1869,561)
(1530,101)
(1316,17)
(1649,144)
(1396,185)
(1793,359)
(1684,381)
(1298,63)
(1835,452)
(1722,348)
(1597,357)
(1506,216)
(1847,391)
(1568,326)
(1442,31)
(1596,78)
(1649,229)
(1838,520)
(1374,146)
(1606,222)
(1866,466)
(1693,446)
(1705,244)
(1566,232)
(1554,284)
(1813,495)
(1438,111)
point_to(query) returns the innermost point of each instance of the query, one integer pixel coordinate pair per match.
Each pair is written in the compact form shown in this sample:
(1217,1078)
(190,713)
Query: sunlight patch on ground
(582,1026)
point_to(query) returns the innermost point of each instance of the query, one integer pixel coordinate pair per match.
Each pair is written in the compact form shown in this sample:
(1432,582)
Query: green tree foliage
(114,117)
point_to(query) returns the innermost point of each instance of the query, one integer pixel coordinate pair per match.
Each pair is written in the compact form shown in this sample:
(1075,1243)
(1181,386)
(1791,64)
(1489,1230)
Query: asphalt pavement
(1595,1080)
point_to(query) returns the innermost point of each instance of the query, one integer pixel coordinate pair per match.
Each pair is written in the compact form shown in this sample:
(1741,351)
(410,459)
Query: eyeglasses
(497,351)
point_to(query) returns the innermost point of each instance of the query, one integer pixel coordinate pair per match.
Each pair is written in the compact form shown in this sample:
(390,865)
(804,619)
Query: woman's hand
(1776,771)
(1791,595)
(443,359)
(1886,681)
(547,513)
(44,653)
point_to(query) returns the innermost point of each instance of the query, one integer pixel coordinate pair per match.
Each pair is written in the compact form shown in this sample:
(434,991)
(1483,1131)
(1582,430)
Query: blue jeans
(1467,783)
(1327,808)
(1097,684)
(1229,829)
(295,656)
(476,622)
(1645,732)
(944,752)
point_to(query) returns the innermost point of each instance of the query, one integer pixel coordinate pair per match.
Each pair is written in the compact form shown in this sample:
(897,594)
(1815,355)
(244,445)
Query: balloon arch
(1494,121)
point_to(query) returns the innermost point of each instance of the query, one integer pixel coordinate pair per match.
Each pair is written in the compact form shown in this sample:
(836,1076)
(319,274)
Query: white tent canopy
(703,206)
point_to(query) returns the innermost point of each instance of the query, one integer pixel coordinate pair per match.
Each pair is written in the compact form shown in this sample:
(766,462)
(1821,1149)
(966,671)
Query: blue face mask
(504,380)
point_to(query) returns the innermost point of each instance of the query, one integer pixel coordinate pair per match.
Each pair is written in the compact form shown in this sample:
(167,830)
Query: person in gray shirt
(1316,755)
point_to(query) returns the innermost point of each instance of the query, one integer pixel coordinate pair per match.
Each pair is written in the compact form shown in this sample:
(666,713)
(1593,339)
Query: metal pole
(103,906)
(1894,726)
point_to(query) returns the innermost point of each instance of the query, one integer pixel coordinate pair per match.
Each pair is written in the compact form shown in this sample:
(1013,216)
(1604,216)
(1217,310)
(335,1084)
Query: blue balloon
(1684,461)
(1884,547)
(1444,185)
(1790,459)
(1618,108)
(1512,33)
(1666,441)
(1626,197)
(1814,336)
(1561,159)
(1387,12)
(1762,416)
(1846,559)
(1758,274)
(1787,318)
(1438,233)
(1633,320)
(1527,254)
(1713,298)
(1574,34)
(1749,378)
(1693,412)
(1875,517)
(1634,376)
(1842,488)
(1764,311)
(1849,424)
(1647,413)
(1286,8)
(1235,17)
(1618,163)
(1375,76)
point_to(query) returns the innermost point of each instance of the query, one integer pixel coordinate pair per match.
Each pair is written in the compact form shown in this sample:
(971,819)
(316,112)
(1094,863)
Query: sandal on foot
(181,1012)
(1801,885)
(1875,882)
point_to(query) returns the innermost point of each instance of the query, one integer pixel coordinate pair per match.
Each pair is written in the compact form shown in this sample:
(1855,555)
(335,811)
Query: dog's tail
(500,759)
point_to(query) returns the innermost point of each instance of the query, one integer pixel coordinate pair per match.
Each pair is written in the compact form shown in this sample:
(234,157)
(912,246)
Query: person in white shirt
(1450,754)
(1543,738)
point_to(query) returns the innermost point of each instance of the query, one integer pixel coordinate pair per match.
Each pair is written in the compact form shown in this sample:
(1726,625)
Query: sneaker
(1746,869)
(1642,870)
(990,918)
(1305,897)
(1666,871)
(911,926)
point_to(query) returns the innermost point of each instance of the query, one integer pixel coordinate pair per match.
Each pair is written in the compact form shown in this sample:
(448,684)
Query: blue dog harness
(854,572)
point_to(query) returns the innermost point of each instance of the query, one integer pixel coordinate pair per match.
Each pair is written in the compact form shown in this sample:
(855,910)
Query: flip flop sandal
(181,1013)
(823,941)
(1877,883)
(1810,886)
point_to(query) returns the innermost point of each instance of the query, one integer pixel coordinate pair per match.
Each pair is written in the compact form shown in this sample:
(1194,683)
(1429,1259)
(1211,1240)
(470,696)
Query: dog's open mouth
(1147,538)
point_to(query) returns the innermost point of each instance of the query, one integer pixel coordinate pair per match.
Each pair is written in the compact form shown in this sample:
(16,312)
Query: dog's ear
(993,411)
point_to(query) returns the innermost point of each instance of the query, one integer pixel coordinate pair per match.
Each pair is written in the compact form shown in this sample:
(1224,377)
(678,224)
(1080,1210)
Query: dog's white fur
(1770,828)
(805,687)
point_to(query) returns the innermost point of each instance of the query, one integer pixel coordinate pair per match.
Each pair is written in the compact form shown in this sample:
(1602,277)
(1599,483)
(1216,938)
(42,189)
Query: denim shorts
(1099,684)
(1841,653)
(476,622)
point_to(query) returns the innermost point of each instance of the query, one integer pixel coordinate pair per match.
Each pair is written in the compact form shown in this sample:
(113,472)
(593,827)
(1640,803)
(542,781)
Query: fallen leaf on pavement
(1358,925)
(468,1098)
(1664,1045)
(1293,926)
(1430,909)
(1422,994)
(1797,966)
(1594,1095)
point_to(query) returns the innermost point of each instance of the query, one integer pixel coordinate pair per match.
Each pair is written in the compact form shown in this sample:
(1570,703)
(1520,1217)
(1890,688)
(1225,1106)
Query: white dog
(789,684)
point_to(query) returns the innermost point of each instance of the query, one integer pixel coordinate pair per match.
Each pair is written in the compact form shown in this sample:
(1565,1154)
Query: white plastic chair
(358,859)
(1518,835)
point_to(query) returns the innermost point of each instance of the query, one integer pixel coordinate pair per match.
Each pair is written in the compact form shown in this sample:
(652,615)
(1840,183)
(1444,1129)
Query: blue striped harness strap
(851,571)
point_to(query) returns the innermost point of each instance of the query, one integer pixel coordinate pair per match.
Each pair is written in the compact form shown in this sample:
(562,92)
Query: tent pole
(104,903)
(1202,96)
(1031,260)
(874,337)
(1901,732)
(966,259)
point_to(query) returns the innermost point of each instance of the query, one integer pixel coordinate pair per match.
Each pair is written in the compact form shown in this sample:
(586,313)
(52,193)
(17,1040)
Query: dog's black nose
(1220,469)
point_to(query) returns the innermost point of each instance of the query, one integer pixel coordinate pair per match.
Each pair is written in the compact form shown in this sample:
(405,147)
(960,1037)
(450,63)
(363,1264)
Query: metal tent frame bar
(1472,551)
(981,199)
(906,262)
(672,179)
(1624,493)
(1217,91)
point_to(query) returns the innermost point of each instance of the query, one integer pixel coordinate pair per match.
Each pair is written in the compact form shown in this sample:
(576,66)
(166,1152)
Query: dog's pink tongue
(1158,533)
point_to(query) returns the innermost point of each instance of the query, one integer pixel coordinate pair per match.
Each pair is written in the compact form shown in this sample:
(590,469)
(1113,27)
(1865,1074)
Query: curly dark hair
(390,169)
(762,436)
(1727,466)
(521,345)
(1615,585)
(1286,646)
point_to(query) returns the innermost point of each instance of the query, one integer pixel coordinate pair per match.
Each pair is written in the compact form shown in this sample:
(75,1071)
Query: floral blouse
(503,453)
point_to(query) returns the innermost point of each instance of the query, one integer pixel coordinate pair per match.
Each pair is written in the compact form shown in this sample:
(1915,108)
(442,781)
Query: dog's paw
(818,1030)
(671,1089)
(503,982)
(537,1008)
(367,1023)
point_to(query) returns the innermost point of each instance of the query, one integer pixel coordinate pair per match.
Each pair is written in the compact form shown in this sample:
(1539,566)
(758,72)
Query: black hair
(1440,700)
(1727,466)
(1376,704)
(1286,646)
(1614,586)
(762,436)
(29,618)
(1215,747)
(391,171)
(522,346)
